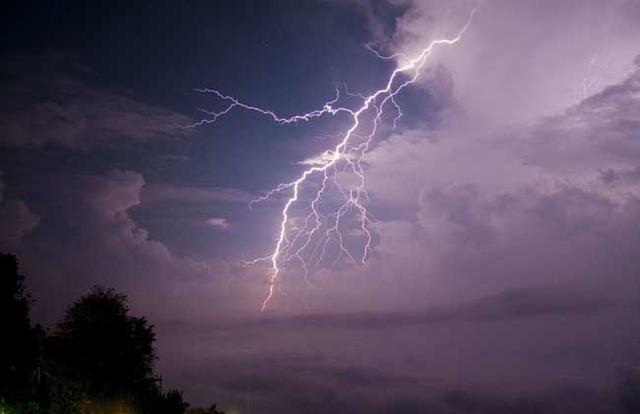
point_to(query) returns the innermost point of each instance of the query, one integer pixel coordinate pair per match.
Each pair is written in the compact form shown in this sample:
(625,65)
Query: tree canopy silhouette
(106,356)
(98,359)
(212,409)
(104,348)
(19,346)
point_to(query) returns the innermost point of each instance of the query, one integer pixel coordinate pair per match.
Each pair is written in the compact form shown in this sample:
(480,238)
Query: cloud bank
(53,100)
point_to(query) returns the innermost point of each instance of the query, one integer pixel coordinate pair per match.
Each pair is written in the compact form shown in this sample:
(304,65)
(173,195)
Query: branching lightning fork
(306,238)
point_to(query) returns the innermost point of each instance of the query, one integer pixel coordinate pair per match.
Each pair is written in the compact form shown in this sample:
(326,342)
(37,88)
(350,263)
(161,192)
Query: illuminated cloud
(504,205)
(217,222)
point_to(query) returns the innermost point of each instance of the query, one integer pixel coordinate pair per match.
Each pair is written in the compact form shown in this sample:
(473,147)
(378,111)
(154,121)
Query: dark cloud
(288,383)
(504,277)
(190,194)
(624,176)
(90,238)
(553,301)
(526,302)
(53,100)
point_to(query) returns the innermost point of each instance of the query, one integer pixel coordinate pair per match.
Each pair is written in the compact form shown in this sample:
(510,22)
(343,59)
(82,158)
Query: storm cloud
(505,204)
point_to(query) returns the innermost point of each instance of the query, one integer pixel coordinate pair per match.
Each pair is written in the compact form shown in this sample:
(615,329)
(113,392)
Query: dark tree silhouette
(101,360)
(170,402)
(20,344)
(104,348)
(210,410)
(97,360)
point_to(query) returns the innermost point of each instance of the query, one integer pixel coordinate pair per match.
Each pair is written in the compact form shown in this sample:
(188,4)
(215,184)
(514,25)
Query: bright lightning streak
(292,242)
(384,57)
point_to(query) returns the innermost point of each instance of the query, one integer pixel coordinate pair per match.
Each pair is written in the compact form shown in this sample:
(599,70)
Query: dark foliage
(19,348)
(100,346)
(103,358)
(170,402)
(98,359)
(210,410)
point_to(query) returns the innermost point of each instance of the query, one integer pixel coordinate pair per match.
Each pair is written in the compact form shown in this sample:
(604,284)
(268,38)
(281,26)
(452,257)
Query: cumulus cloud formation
(507,237)
(45,105)
(102,244)
(505,258)
(477,214)
(521,181)
(506,232)
(521,60)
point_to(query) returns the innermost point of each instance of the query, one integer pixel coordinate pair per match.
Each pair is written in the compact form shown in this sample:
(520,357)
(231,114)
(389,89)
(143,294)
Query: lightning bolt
(308,242)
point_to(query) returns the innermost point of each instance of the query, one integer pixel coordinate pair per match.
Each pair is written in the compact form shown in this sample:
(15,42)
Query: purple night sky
(504,206)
